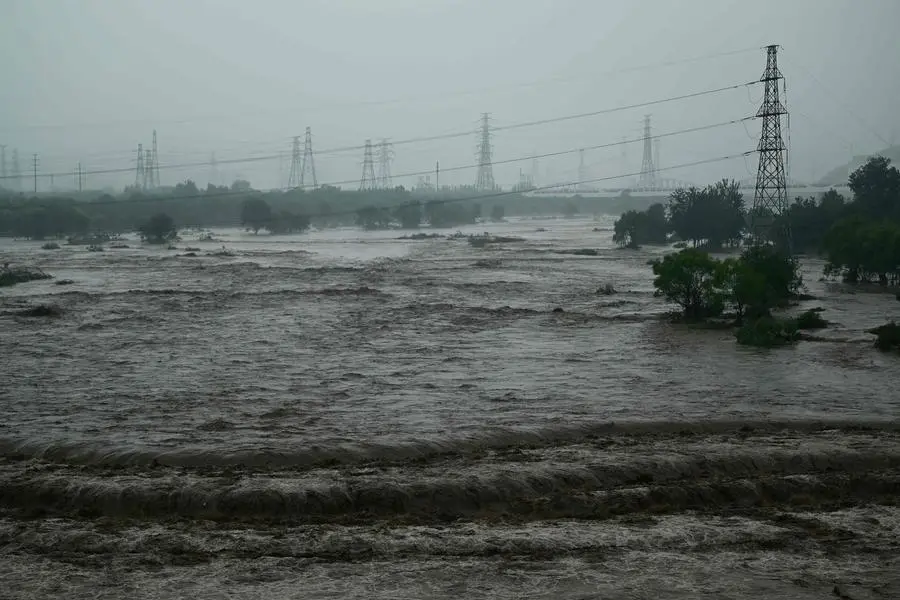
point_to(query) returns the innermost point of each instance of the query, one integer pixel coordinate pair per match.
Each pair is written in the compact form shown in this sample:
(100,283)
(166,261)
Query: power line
(500,194)
(623,142)
(535,83)
(415,140)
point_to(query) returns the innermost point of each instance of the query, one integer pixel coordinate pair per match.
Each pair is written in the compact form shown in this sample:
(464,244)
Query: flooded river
(346,414)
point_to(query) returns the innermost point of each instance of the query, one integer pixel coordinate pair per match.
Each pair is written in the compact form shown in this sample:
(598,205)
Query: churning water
(350,415)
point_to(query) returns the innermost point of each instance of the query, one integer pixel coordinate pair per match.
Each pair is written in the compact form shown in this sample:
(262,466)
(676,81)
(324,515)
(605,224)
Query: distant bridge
(795,190)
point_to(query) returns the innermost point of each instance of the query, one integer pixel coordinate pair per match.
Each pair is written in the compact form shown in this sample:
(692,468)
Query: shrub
(767,332)
(888,336)
(810,319)
(689,279)
(50,246)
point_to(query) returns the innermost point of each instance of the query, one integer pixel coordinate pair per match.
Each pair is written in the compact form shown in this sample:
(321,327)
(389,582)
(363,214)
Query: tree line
(859,237)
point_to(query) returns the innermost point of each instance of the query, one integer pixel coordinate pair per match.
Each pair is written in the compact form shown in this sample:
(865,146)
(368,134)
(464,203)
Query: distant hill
(839,175)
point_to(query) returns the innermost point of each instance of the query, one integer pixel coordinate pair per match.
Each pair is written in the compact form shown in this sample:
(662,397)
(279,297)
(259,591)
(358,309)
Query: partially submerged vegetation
(887,337)
(751,286)
(12,275)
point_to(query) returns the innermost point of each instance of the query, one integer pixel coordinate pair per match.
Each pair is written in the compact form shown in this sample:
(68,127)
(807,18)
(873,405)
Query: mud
(349,415)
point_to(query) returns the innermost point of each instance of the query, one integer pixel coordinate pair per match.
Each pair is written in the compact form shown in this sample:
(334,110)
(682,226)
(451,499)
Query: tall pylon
(582,171)
(309,164)
(367,181)
(213,169)
(385,156)
(648,170)
(79,177)
(295,179)
(34,166)
(770,197)
(16,171)
(140,175)
(3,173)
(534,170)
(154,165)
(484,180)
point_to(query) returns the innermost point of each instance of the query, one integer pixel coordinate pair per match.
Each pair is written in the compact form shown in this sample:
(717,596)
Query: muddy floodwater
(345,414)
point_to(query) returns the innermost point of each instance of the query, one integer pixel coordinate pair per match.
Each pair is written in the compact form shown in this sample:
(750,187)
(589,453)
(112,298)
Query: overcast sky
(89,79)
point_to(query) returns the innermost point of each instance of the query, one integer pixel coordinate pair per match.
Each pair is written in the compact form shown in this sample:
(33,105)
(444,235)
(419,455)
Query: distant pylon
(34,166)
(140,175)
(485,178)
(367,181)
(295,179)
(385,156)
(309,164)
(770,197)
(16,171)
(213,169)
(648,170)
(3,174)
(154,166)
(79,177)
(534,170)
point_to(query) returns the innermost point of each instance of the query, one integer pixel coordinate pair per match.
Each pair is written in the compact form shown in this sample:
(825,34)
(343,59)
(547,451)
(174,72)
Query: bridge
(795,190)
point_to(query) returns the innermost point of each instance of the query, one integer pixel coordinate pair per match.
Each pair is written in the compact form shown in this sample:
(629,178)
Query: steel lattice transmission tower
(367,181)
(16,171)
(770,198)
(140,176)
(385,156)
(154,163)
(295,179)
(648,170)
(308,165)
(3,174)
(485,178)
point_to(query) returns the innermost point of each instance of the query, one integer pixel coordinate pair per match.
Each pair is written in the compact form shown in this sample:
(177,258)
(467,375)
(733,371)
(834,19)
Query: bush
(12,276)
(810,319)
(689,279)
(767,332)
(888,337)
(50,246)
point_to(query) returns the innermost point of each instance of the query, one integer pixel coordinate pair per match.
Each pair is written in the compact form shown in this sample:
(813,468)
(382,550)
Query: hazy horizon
(89,80)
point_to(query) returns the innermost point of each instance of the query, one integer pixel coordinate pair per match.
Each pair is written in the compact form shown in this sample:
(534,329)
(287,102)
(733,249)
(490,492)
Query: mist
(89,80)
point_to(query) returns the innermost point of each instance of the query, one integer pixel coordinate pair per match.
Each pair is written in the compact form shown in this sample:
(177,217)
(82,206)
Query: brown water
(349,415)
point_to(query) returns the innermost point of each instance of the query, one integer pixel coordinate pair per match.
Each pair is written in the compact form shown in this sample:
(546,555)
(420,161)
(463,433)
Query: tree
(689,279)
(762,279)
(287,222)
(409,215)
(256,213)
(240,185)
(714,215)
(497,212)
(876,189)
(159,229)
(373,217)
(634,228)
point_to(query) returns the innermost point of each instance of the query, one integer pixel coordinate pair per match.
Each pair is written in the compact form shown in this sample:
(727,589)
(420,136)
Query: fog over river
(345,414)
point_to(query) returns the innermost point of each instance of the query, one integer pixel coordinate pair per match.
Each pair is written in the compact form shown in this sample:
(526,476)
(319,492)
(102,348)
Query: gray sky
(89,79)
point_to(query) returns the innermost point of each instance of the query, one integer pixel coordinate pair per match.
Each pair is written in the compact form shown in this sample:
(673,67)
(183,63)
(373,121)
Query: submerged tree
(255,214)
(159,229)
(689,279)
